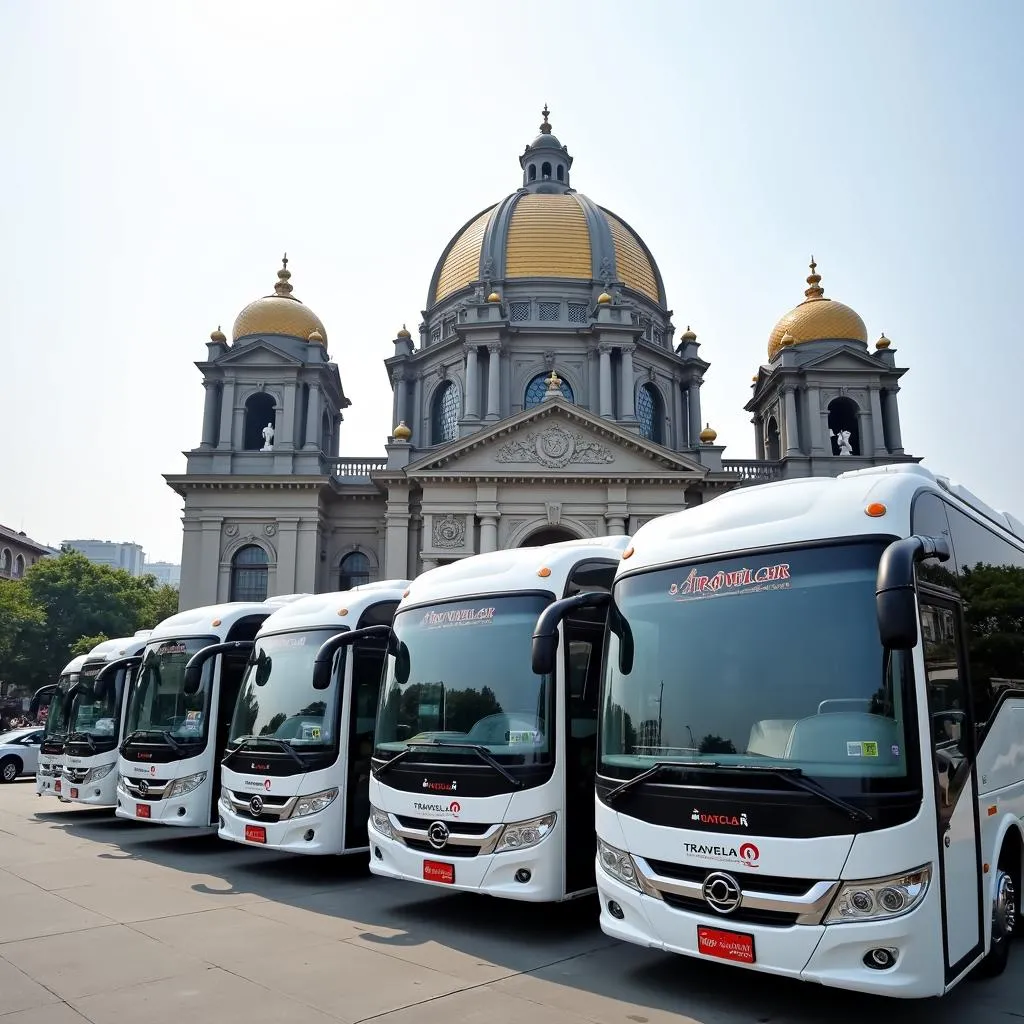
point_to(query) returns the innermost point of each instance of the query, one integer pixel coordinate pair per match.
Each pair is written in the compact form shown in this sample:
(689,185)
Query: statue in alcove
(842,439)
(268,438)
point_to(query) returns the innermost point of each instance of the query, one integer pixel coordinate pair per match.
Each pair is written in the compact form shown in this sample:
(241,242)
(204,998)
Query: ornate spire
(814,290)
(283,287)
(545,125)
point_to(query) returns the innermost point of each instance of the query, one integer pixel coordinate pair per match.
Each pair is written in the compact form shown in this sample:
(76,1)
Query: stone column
(792,425)
(313,439)
(892,423)
(758,436)
(472,407)
(284,419)
(626,407)
(494,380)
(209,415)
(396,533)
(400,413)
(877,424)
(307,557)
(287,556)
(815,423)
(209,589)
(616,525)
(428,563)
(227,416)
(488,533)
(605,407)
(693,409)
(677,415)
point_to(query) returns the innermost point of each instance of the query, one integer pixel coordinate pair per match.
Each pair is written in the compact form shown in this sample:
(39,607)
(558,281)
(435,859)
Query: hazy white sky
(159,158)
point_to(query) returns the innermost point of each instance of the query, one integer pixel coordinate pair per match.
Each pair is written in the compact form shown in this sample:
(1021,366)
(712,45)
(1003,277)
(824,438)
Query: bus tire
(10,769)
(1004,919)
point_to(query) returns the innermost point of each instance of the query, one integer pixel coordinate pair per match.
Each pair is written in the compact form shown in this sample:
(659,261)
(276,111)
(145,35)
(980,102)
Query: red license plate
(255,834)
(142,811)
(56,786)
(435,871)
(73,794)
(734,946)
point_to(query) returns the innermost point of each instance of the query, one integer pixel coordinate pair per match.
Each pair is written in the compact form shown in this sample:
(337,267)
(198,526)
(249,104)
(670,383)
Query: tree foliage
(64,603)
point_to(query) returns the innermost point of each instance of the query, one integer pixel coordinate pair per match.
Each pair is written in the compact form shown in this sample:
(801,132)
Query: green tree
(22,627)
(84,644)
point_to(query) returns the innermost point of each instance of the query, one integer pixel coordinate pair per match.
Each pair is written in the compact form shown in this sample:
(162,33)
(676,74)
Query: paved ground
(104,920)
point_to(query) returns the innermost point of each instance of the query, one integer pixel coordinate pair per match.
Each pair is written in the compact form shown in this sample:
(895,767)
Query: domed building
(546,396)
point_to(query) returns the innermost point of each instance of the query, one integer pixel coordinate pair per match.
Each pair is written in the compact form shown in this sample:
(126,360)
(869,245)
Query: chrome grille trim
(483,844)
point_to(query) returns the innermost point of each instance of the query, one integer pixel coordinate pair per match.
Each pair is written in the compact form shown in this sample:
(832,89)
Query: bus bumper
(93,794)
(539,869)
(312,834)
(831,955)
(189,811)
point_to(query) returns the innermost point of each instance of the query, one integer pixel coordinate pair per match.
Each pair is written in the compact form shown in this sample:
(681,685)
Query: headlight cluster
(380,822)
(879,897)
(520,835)
(185,785)
(618,864)
(314,803)
(101,771)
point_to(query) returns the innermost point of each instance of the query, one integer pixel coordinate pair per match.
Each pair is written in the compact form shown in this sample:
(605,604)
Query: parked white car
(19,752)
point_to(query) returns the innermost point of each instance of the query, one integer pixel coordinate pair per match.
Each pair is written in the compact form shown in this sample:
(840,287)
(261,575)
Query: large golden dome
(817,319)
(279,313)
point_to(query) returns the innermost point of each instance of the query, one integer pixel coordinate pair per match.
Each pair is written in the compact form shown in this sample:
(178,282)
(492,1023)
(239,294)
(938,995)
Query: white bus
(174,737)
(51,750)
(297,767)
(811,757)
(96,721)
(483,773)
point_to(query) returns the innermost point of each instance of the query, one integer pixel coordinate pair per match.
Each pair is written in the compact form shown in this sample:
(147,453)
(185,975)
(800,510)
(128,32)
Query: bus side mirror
(895,593)
(545,634)
(193,681)
(263,664)
(324,659)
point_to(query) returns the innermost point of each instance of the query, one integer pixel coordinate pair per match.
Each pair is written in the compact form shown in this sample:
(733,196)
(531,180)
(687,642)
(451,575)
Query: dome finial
(545,125)
(283,286)
(814,290)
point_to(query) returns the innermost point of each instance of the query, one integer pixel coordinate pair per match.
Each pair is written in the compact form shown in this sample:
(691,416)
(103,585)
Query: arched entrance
(548,535)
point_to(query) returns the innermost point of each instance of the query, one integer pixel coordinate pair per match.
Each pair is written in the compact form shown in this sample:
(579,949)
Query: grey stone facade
(541,400)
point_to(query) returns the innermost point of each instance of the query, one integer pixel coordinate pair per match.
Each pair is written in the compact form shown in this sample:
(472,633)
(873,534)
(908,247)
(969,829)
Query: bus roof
(200,621)
(341,608)
(74,665)
(116,646)
(513,570)
(794,511)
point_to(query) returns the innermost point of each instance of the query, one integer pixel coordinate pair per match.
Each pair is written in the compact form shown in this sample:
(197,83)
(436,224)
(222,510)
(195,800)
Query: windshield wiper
(402,754)
(168,739)
(655,769)
(796,777)
(82,737)
(482,752)
(247,741)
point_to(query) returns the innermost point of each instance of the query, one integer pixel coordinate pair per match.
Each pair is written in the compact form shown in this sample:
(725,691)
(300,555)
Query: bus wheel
(10,769)
(1004,922)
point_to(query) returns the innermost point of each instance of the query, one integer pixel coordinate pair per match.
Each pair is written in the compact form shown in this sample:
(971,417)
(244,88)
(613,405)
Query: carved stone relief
(554,448)
(449,531)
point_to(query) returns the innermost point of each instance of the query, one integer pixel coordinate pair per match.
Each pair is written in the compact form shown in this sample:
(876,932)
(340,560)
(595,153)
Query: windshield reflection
(157,702)
(96,716)
(56,710)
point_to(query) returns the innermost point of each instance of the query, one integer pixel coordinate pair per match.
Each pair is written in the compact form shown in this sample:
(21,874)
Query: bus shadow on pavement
(560,943)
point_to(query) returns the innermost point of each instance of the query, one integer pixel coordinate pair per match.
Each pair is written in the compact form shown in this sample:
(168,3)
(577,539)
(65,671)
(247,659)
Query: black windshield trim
(486,595)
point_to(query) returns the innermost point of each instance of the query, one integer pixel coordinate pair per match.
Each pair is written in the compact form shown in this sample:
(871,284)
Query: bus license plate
(734,946)
(56,786)
(73,794)
(142,811)
(255,834)
(435,871)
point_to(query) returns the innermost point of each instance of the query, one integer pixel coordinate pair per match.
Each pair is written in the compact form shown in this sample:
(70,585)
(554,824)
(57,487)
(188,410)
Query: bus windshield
(462,673)
(56,711)
(96,717)
(278,701)
(769,658)
(157,702)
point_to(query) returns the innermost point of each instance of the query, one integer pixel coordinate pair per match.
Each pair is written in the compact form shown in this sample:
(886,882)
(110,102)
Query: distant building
(126,556)
(165,572)
(18,552)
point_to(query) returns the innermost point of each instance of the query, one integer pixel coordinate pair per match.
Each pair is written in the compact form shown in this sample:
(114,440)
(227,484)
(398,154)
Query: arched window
(651,413)
(545,170)
(533,172)
(772,442)
(444,419)
(259,411)
(6,561)
(538,388)
(844,426)
(19,567)
(354,571)
(249,574)
(560,173)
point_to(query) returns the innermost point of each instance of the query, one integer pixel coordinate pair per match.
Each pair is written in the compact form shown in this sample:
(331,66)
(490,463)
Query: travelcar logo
(767,577)
(453,808)
(748,854)
(457,617)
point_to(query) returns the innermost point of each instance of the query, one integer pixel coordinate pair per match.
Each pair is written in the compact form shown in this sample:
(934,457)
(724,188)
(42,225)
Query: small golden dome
(788,340)
(279,313)
(883,342)
(403,333)
(688,335)
(604,299)
(401,432)
(707,435)
(817,319)
(217,335)
(755,378)
(315,338)
(494,297)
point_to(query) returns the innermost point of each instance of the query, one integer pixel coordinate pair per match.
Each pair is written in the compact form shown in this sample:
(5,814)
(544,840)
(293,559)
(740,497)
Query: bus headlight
(520,835)
(101,771)
(381,822)
(618,864)
(313,803)
(179,787)
(880,897)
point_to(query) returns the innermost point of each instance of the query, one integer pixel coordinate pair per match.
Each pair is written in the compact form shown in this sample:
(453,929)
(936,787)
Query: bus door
(956,788)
